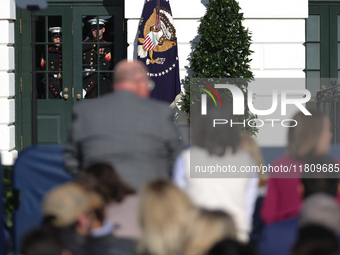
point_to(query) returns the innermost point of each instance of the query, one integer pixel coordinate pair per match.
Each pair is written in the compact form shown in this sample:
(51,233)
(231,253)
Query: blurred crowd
(136,196)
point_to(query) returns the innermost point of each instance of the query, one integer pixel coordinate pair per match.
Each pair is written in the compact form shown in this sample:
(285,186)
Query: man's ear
(301,189)
(103,29)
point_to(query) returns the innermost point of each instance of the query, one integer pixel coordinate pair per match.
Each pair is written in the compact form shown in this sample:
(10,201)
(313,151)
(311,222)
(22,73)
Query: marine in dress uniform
(54,64)
(91,63)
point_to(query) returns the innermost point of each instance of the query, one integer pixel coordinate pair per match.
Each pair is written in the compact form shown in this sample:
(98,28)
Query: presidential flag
(157,48)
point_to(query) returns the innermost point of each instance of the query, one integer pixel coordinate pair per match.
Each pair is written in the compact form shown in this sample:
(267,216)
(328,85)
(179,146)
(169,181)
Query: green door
(323,54)
(53,111)
(61,66)
(322,46)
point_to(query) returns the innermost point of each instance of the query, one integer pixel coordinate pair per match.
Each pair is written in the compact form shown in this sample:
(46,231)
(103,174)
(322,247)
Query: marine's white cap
(55,30)
(94,22)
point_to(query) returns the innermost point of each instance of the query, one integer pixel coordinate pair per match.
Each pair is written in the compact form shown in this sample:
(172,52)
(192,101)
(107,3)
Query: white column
(7,83)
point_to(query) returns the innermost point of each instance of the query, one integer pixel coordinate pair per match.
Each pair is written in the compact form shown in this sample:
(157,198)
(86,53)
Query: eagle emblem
(159,35)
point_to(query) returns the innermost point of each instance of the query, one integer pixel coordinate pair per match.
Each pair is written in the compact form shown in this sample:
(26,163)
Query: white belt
(88,70)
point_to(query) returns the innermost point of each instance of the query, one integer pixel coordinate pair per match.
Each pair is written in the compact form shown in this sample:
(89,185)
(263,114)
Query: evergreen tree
(223,51)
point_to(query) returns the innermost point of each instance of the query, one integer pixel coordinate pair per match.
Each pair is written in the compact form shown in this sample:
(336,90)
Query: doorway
(68,71)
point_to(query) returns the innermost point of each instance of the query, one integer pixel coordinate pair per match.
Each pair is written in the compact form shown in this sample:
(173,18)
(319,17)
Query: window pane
(40,61)
(41,85)
(313,28)
(338,55)
(313,55)
(338,24)
(313,82)
(40,31)
(54,29)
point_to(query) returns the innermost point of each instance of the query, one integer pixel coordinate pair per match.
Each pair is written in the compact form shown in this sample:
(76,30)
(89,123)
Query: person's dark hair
(304,137)
(315,240)
(103,179)
(216,140)
(231,247)
(100,214)
(42,241)
(326,181)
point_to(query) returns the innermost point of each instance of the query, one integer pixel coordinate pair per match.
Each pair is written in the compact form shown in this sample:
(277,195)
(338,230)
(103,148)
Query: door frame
(23,112)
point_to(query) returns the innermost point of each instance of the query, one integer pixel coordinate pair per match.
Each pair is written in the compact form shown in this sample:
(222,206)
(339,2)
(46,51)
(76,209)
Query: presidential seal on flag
(157,48)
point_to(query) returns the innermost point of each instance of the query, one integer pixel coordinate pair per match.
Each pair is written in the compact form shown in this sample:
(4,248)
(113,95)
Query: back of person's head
(132,76)
(306,138)
(164,212)
(231,247)
(321,209)
(216,140)
(104,180)
(129,71)
(208,227)
(315,240)
(321,176)
(42,241)
(69,204)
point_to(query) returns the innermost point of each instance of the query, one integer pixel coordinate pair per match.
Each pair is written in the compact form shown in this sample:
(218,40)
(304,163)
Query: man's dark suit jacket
(135,135)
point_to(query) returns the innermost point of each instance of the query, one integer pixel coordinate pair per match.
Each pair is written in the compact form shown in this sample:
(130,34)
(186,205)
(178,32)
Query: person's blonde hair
(164,212)
(304,137)
(206,229)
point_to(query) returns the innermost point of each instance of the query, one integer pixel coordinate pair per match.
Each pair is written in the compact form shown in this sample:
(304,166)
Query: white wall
(7,83)
(278,32)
